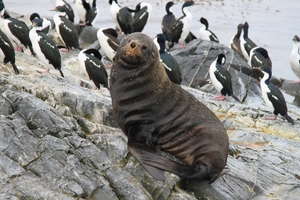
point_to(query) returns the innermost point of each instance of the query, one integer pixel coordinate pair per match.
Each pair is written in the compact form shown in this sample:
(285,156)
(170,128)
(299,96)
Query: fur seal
(157,114)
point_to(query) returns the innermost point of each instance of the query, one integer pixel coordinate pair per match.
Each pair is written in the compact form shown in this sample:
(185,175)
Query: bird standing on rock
(65,29)
(246,43)
(221,78)
(171,65)
(46,24)
(7,53)
(45,47)
(235,42)
(67,8)
(168,22)
(141,16)
(205,33)
(259,57)
(183,25)
(295,58)
(108,40)
(273,96)
(17,31)
(90,59)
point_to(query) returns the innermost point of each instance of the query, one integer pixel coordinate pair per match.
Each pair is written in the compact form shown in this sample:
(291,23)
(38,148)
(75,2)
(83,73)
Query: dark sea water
(272,23)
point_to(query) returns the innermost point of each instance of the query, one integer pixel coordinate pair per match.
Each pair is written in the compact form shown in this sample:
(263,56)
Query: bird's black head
(110,31)
(204,21)
(221,59)
(2,8)
(168,6)
(161,40)
(262,51)
(111,1)
(37,22)
(246,26)
(188,3)
(93,52)
(34,16)
(296,38)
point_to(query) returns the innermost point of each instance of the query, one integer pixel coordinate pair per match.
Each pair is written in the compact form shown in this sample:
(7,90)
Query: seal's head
(135,50)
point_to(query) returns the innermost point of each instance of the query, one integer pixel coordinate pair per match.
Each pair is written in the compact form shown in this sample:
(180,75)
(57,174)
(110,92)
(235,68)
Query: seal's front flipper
(138,151)
(200,171)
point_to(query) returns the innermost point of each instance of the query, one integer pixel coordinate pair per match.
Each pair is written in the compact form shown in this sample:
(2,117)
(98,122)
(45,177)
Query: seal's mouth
(132,53)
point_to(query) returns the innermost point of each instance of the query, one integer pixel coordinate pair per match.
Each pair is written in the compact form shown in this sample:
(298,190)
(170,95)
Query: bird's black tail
(235,97)
(15,68)
(289,119)
(61,73)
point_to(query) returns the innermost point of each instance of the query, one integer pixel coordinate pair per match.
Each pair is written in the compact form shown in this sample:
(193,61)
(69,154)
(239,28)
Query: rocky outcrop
(59,139)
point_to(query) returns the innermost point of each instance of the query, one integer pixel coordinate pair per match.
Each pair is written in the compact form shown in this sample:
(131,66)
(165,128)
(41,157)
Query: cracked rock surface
(59,139)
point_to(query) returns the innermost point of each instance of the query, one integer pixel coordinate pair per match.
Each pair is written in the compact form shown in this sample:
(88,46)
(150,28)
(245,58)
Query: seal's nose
(133,45)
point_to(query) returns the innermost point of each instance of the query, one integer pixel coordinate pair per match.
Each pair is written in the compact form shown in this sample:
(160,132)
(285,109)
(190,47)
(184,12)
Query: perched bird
(85,12)
(168,22)
(90,59)
(246,43)
(221,78)
(7,53)
(68,9)
(259,57)
(65,29)
(108,40)
(46,24)
(182,27)
(141,16)
(124,19)
(205,33)
(171,65)
(235,42)
(17,31)
(273,96)
(45,47)
(295,58)
(114,9)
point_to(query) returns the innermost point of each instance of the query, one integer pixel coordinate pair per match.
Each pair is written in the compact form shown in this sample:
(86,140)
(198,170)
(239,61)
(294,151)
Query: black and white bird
(205,33)
(124,19)
(168,22)
(171,65)
(108,40)
(65,28)
(141,16)
(45,47)
(246,43)
(259,57)
(295,58)
(235,42)
(17,31)
(183,25)
(46,24)
(86,12)
(68,9)
(7,52)
(221,78)
(90,60)
(273,96)
(114,9)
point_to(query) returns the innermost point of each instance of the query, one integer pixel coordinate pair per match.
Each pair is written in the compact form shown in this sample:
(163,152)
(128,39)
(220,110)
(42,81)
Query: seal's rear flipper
(140,150)
(199,171)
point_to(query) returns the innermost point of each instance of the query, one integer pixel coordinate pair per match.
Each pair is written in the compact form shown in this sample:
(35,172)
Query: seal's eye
(144,47)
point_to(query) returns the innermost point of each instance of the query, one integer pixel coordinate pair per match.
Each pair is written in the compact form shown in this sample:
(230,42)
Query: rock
(59,138)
